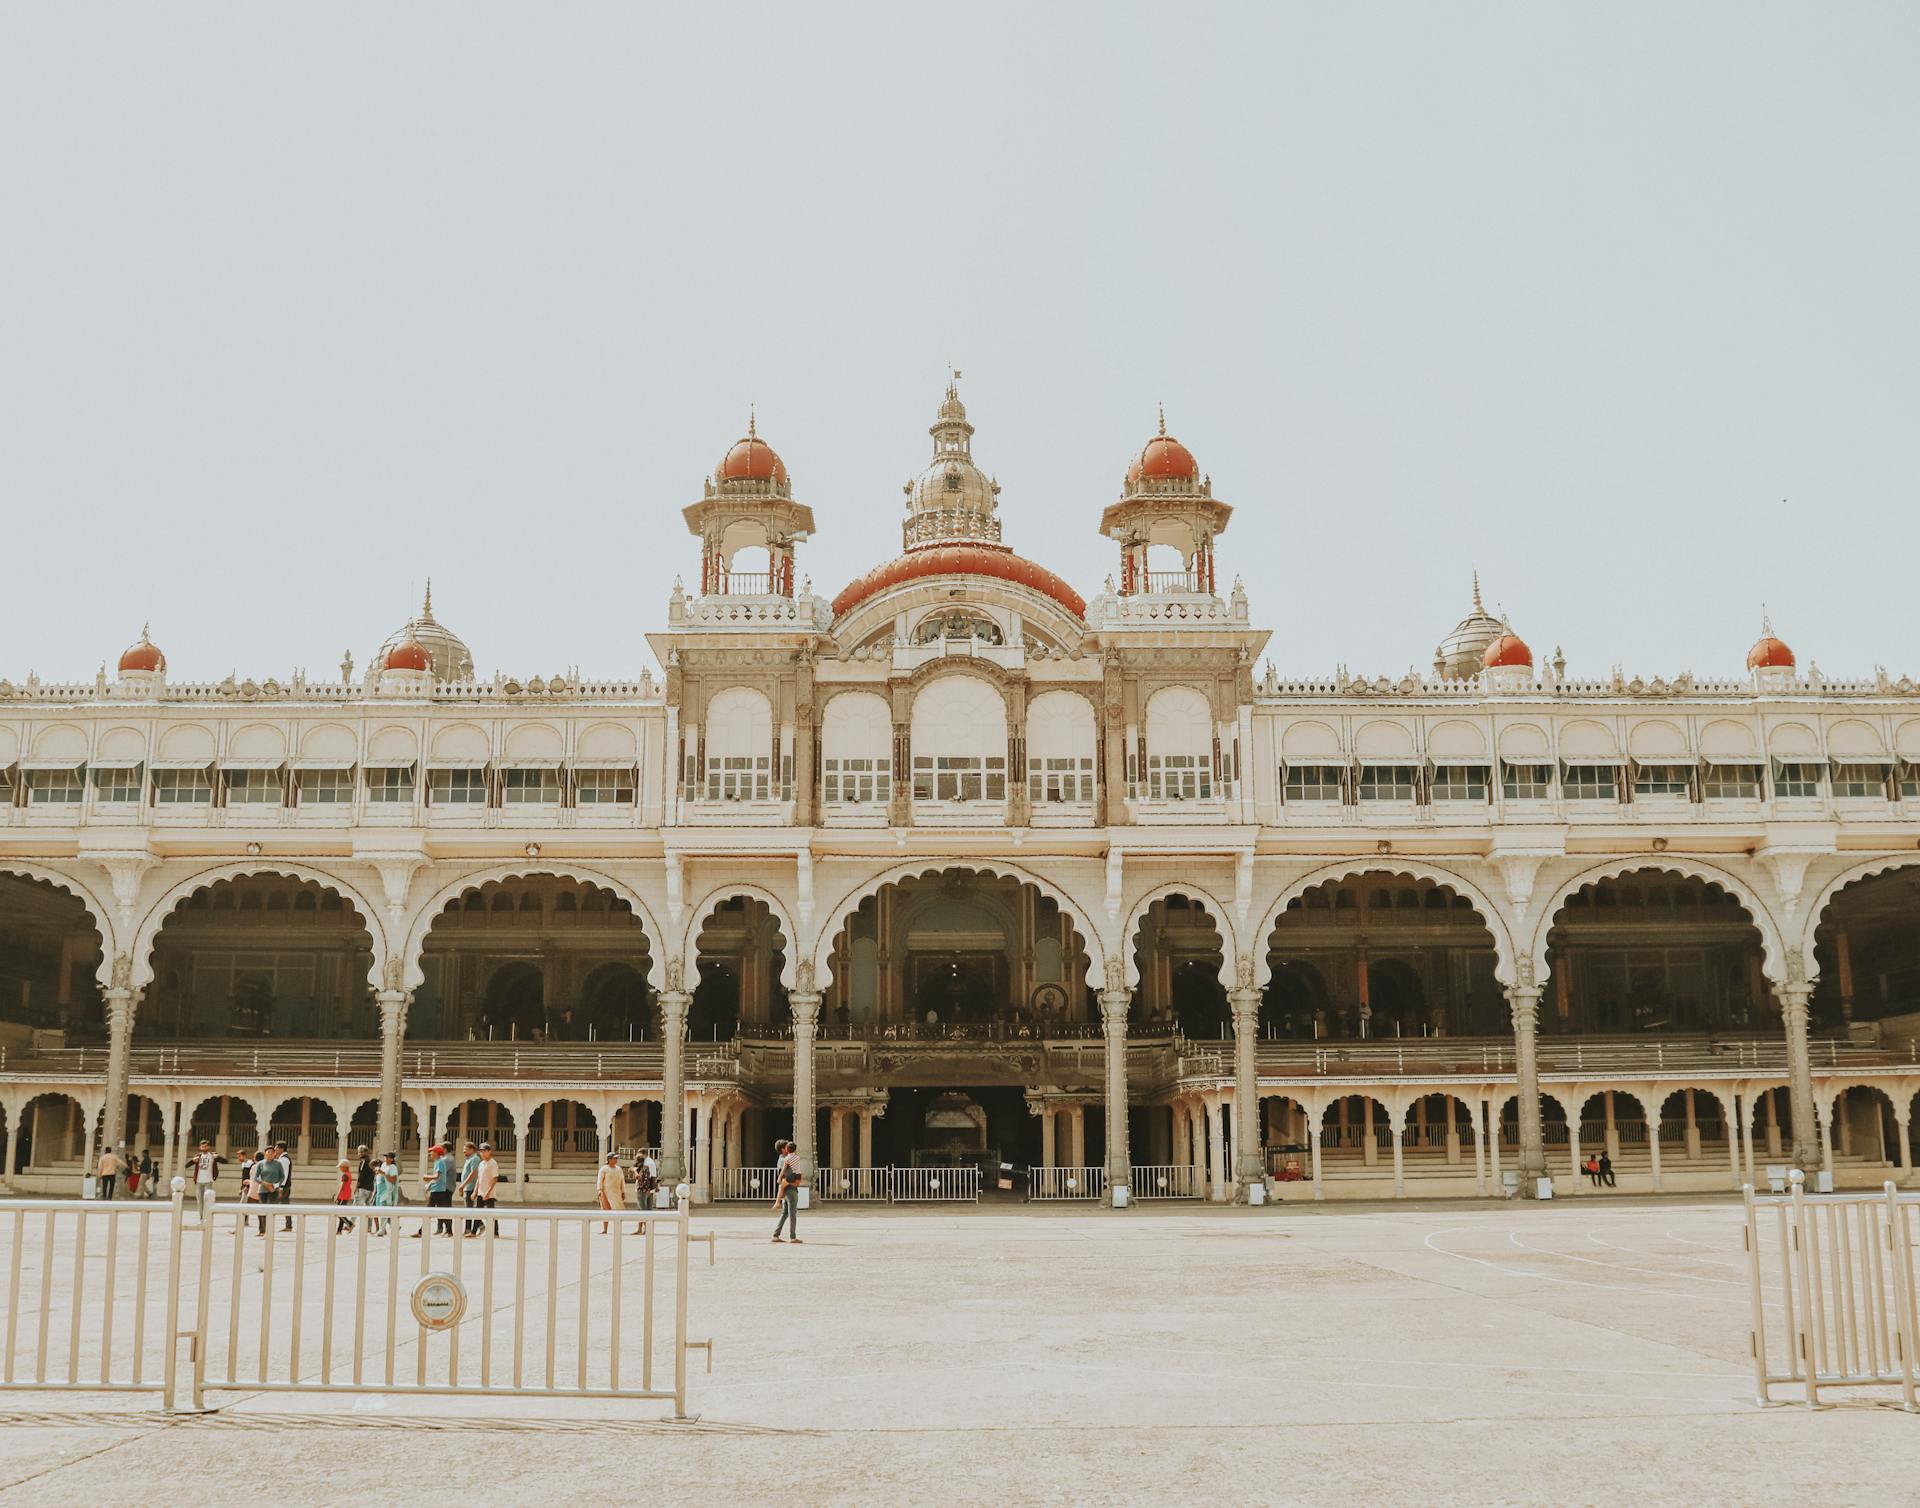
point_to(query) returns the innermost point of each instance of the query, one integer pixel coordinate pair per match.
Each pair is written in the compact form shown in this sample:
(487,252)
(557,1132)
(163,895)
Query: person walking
(610,1188)
(146,1174)
(787,1179)
(108,1170)
(285,1160)
(646,1187)
(486,1185)
(206,1173)
(344,1196)
(386,1189)
(469,1171)
(438,1181)
(267,1177)
(363,1179)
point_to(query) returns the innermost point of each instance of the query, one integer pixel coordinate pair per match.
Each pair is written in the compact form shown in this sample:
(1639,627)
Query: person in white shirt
(206,1171)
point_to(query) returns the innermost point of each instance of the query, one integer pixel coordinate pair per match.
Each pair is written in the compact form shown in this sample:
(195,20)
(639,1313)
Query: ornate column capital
(393,1009)
(1114,1005)
(805,1005)
(1245,1000)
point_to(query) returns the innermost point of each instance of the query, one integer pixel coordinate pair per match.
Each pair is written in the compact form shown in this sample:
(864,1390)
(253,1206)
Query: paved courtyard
(1566,1353)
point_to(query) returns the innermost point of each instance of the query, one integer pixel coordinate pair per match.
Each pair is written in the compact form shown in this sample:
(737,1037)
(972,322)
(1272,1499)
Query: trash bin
(1121,1196)
(1543,1189)
(1257,1192)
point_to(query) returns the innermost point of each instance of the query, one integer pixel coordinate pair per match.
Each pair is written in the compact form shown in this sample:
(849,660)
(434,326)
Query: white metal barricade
(325,1298)
(1066,1183)
(852,1185)
(933,1185)
(746,1183)
(1833,1285)
(1171,1180)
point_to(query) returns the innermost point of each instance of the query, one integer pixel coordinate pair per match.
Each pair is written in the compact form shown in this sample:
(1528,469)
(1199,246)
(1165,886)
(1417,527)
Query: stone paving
(1483,1354)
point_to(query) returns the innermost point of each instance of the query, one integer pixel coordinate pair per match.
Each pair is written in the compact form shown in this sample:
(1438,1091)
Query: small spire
(426,607)
(1476,591)
(1766,622)
(752,419)
(1163,421)
(144,631)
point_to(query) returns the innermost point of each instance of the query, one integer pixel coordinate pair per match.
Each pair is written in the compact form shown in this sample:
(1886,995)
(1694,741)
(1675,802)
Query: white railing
(1066,1183)
(1835,1294)
(852,1185)
(746,1183)
(537,1303)
(1165,1180)
(889,1185)
(933,1185)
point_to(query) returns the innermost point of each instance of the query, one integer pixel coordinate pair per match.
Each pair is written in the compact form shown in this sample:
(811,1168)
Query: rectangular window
(1731,782)
(856,782)
(390,785)
(1660,780)
(603,787)
(1386,782)
(182,788)
(957,778)
(529,787)
(1180,777)
(1313,782)
(1860,782)
(121,785)
(1795,779)
(254,787)
(1059,780)
(1910,781)
(1526,782)
(57,787)
(324,787)
(466,787)
(1591,782)
(1460,782)
(740,777)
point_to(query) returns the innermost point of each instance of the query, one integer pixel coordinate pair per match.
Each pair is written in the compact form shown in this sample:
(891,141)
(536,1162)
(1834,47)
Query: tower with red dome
(1166,504)
(748,508)
(1771,662)
(143,668)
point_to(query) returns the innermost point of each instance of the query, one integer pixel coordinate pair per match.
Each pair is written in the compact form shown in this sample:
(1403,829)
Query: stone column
(866,1137)
(1047,1153)
(1113,1016)
(1653,1146)
(1220,1188)
(806,1021)
(1525,1003)
(1245,1002)
(120,1011)
(1900,1123)
(1793,1016)
(1397,1125)
(393,1033)
(673,1093)
(1077,1136)
(703,1152)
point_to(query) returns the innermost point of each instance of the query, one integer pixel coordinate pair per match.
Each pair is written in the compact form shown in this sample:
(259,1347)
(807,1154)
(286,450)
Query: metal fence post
(1759,1335)
(176,1226)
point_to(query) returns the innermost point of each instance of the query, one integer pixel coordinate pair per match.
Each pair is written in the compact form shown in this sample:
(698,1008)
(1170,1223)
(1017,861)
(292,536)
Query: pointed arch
(1222,918)
(1491,916)
(423,918)
(1772,957)
(97,910)
(1853,874)
(698,913)
(371,916)
(841,910)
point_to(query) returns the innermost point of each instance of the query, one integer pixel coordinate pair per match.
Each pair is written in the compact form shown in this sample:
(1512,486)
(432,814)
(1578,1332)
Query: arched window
(1060,747)
(1179,745)
(959,742)
(739,746)
(856,749)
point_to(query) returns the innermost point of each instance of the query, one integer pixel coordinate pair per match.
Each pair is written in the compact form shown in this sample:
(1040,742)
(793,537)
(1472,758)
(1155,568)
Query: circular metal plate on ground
(439,1300)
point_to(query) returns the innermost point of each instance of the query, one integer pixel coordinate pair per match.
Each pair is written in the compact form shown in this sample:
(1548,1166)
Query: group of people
(610,1185)
(115,1165)
(1599,1170)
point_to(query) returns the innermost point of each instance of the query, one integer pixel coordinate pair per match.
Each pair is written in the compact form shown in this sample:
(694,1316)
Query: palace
(958,869)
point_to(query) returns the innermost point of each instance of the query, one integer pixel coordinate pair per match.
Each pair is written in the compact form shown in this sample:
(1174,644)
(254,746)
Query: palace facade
(958,869)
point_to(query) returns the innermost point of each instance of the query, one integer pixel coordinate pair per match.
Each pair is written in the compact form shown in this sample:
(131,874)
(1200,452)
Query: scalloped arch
(156,917)
(1222,919)
(925,868)
(698,913)
(83,893)
(1866,870)
(422,921)
(1491,917)
(1773,957)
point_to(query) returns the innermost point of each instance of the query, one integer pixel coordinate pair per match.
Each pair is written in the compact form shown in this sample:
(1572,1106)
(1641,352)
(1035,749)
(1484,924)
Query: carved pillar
(1019,812)
(120,1012)
(1245,1001)
(1114,745)
(1114,1001)
(805,782)
(1793,1017)
(806,1020)
(1525,1002)
(673,1074)
(393,1032)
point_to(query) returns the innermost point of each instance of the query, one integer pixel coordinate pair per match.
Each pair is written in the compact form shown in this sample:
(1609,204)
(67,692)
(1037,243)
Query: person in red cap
(439,1185)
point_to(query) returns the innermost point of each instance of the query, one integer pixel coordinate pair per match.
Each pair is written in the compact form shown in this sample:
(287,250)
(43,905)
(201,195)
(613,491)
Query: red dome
(143,656)
(751,460)
(1769,653)
(1508,649)
(1164,459)
(409,654)
(996,561)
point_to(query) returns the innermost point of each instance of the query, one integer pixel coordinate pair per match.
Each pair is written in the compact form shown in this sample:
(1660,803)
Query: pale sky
(301,304)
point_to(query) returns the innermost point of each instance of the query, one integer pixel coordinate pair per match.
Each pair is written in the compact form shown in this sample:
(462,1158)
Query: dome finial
(752,419)
(1476,591)
(1163,419)
(146,630)
(1766,622)
(426,605)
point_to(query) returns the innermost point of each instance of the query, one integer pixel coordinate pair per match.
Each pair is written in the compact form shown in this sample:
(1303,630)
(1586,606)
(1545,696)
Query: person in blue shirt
(439,1182)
